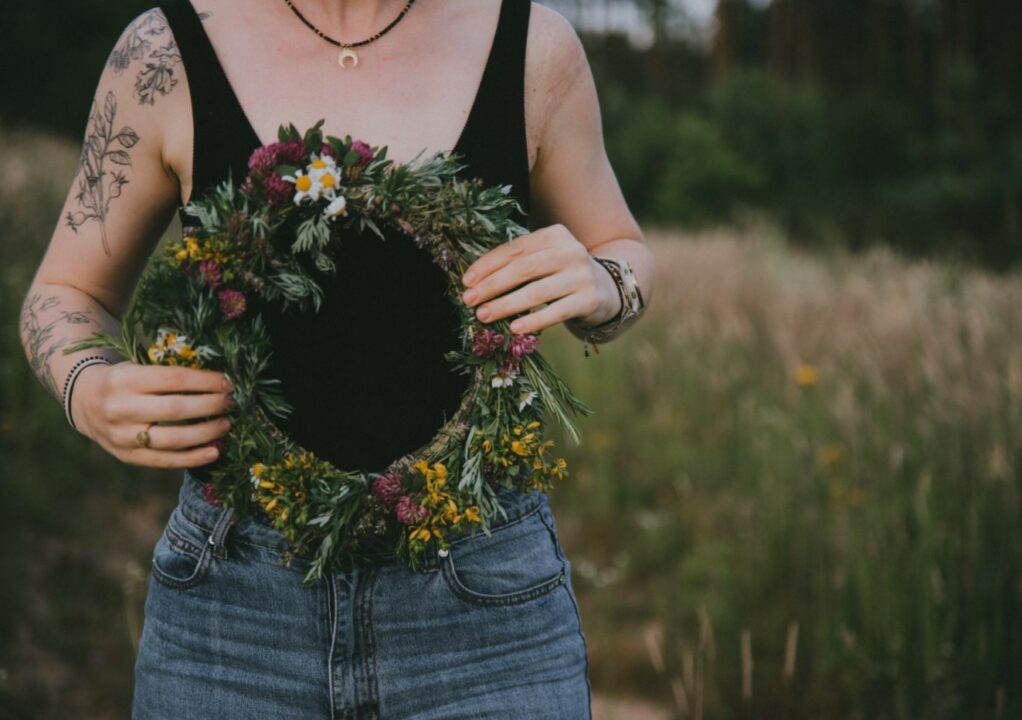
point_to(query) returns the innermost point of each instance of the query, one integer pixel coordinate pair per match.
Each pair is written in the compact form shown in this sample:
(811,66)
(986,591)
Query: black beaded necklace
(348,48)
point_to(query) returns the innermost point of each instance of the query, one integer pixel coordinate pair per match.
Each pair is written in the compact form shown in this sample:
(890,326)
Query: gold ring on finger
(143,436)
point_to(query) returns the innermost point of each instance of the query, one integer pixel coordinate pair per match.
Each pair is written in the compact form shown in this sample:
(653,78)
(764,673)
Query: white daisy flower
(324,171)
(254,476)
(305,186)
(502,379)
(526,399)
(336,207)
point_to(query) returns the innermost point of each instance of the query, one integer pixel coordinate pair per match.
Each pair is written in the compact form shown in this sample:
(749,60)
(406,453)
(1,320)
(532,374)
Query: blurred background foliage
(851,121)
(802,497)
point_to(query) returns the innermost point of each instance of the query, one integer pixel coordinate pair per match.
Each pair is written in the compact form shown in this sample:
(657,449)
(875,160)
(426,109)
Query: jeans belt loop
(218,537)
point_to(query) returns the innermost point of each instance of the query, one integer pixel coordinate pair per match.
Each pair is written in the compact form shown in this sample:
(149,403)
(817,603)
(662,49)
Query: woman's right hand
(110,404)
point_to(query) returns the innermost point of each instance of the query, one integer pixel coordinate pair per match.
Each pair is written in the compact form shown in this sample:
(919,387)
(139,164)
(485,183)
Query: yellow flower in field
(831,454)
(806,374)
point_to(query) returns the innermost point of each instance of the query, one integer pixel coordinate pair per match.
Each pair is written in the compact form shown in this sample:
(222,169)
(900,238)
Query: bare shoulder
(555,64)
(148,60)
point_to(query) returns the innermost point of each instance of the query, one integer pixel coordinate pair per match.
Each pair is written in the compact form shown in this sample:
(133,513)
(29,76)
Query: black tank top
(366,375)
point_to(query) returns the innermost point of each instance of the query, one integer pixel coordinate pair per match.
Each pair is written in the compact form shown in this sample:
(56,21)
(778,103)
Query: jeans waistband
(256,528)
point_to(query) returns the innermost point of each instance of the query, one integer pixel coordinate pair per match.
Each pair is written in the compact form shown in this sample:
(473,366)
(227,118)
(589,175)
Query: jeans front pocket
(517,562)
(184,552)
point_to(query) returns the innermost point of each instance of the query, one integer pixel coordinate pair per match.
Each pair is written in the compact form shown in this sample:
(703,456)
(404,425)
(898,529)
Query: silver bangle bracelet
(72,376)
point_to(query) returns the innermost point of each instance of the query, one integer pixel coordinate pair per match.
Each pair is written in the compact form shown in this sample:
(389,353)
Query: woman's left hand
(550,266)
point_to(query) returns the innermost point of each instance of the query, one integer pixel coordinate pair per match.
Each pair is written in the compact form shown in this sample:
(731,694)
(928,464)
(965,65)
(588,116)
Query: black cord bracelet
(72,376)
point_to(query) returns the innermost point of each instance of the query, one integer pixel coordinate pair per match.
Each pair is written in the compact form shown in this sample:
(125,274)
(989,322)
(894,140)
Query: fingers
(513,275)
(154,408)
(173,437)
(501,256)
(556,312)
(169,378)
(170,458)
(530,295)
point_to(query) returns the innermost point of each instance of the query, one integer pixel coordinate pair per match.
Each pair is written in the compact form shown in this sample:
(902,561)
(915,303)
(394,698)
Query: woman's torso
(366,375)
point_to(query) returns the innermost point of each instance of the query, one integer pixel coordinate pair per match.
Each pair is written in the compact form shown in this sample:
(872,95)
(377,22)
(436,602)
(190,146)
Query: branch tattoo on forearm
(38,333)
(95,190)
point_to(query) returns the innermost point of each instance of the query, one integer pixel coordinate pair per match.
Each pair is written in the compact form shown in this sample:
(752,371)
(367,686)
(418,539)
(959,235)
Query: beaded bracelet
(72,375)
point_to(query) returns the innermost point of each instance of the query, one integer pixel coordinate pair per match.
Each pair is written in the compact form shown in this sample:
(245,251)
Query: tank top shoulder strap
(494,139)
(221,133)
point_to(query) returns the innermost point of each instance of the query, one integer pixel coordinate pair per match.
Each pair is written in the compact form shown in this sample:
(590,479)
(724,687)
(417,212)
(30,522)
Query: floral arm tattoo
(39,326)
(147,42)
(98,182)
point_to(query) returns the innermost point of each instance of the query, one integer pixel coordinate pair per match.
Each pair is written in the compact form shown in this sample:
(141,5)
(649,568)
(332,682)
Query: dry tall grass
(799,496)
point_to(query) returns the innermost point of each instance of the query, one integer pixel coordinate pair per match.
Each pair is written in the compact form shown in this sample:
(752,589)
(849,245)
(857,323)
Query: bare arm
(120,201)
(577,209)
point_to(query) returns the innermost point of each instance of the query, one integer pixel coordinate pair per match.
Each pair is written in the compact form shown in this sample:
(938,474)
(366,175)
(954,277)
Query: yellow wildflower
(831,454)
(423,467)
(806,374)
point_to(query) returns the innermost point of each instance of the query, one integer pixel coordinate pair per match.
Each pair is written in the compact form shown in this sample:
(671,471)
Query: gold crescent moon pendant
(344,55)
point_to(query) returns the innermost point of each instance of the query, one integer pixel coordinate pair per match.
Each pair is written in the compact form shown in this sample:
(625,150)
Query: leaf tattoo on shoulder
(136,40)
(158,73)
(98,185)
(38,332)
(142,42)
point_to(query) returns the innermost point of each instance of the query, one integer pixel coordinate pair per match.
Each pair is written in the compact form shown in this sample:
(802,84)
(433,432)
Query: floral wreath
(269,238)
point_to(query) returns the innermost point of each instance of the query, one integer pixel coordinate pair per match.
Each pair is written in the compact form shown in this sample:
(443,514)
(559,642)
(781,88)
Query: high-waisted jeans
(490,629)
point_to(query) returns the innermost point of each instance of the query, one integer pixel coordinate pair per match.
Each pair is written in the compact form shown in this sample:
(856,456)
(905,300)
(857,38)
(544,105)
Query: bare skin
(136,169)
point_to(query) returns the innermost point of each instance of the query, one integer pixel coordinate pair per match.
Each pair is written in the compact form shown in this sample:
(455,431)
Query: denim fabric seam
(493,529)
(450,573)
(201,566)
(179,542)
(517,597)
(585,644)
(333,612)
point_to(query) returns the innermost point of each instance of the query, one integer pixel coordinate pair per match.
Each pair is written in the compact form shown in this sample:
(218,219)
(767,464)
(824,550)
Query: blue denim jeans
(489,629)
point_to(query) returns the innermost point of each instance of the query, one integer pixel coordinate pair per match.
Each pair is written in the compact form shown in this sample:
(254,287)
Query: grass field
(799,496)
